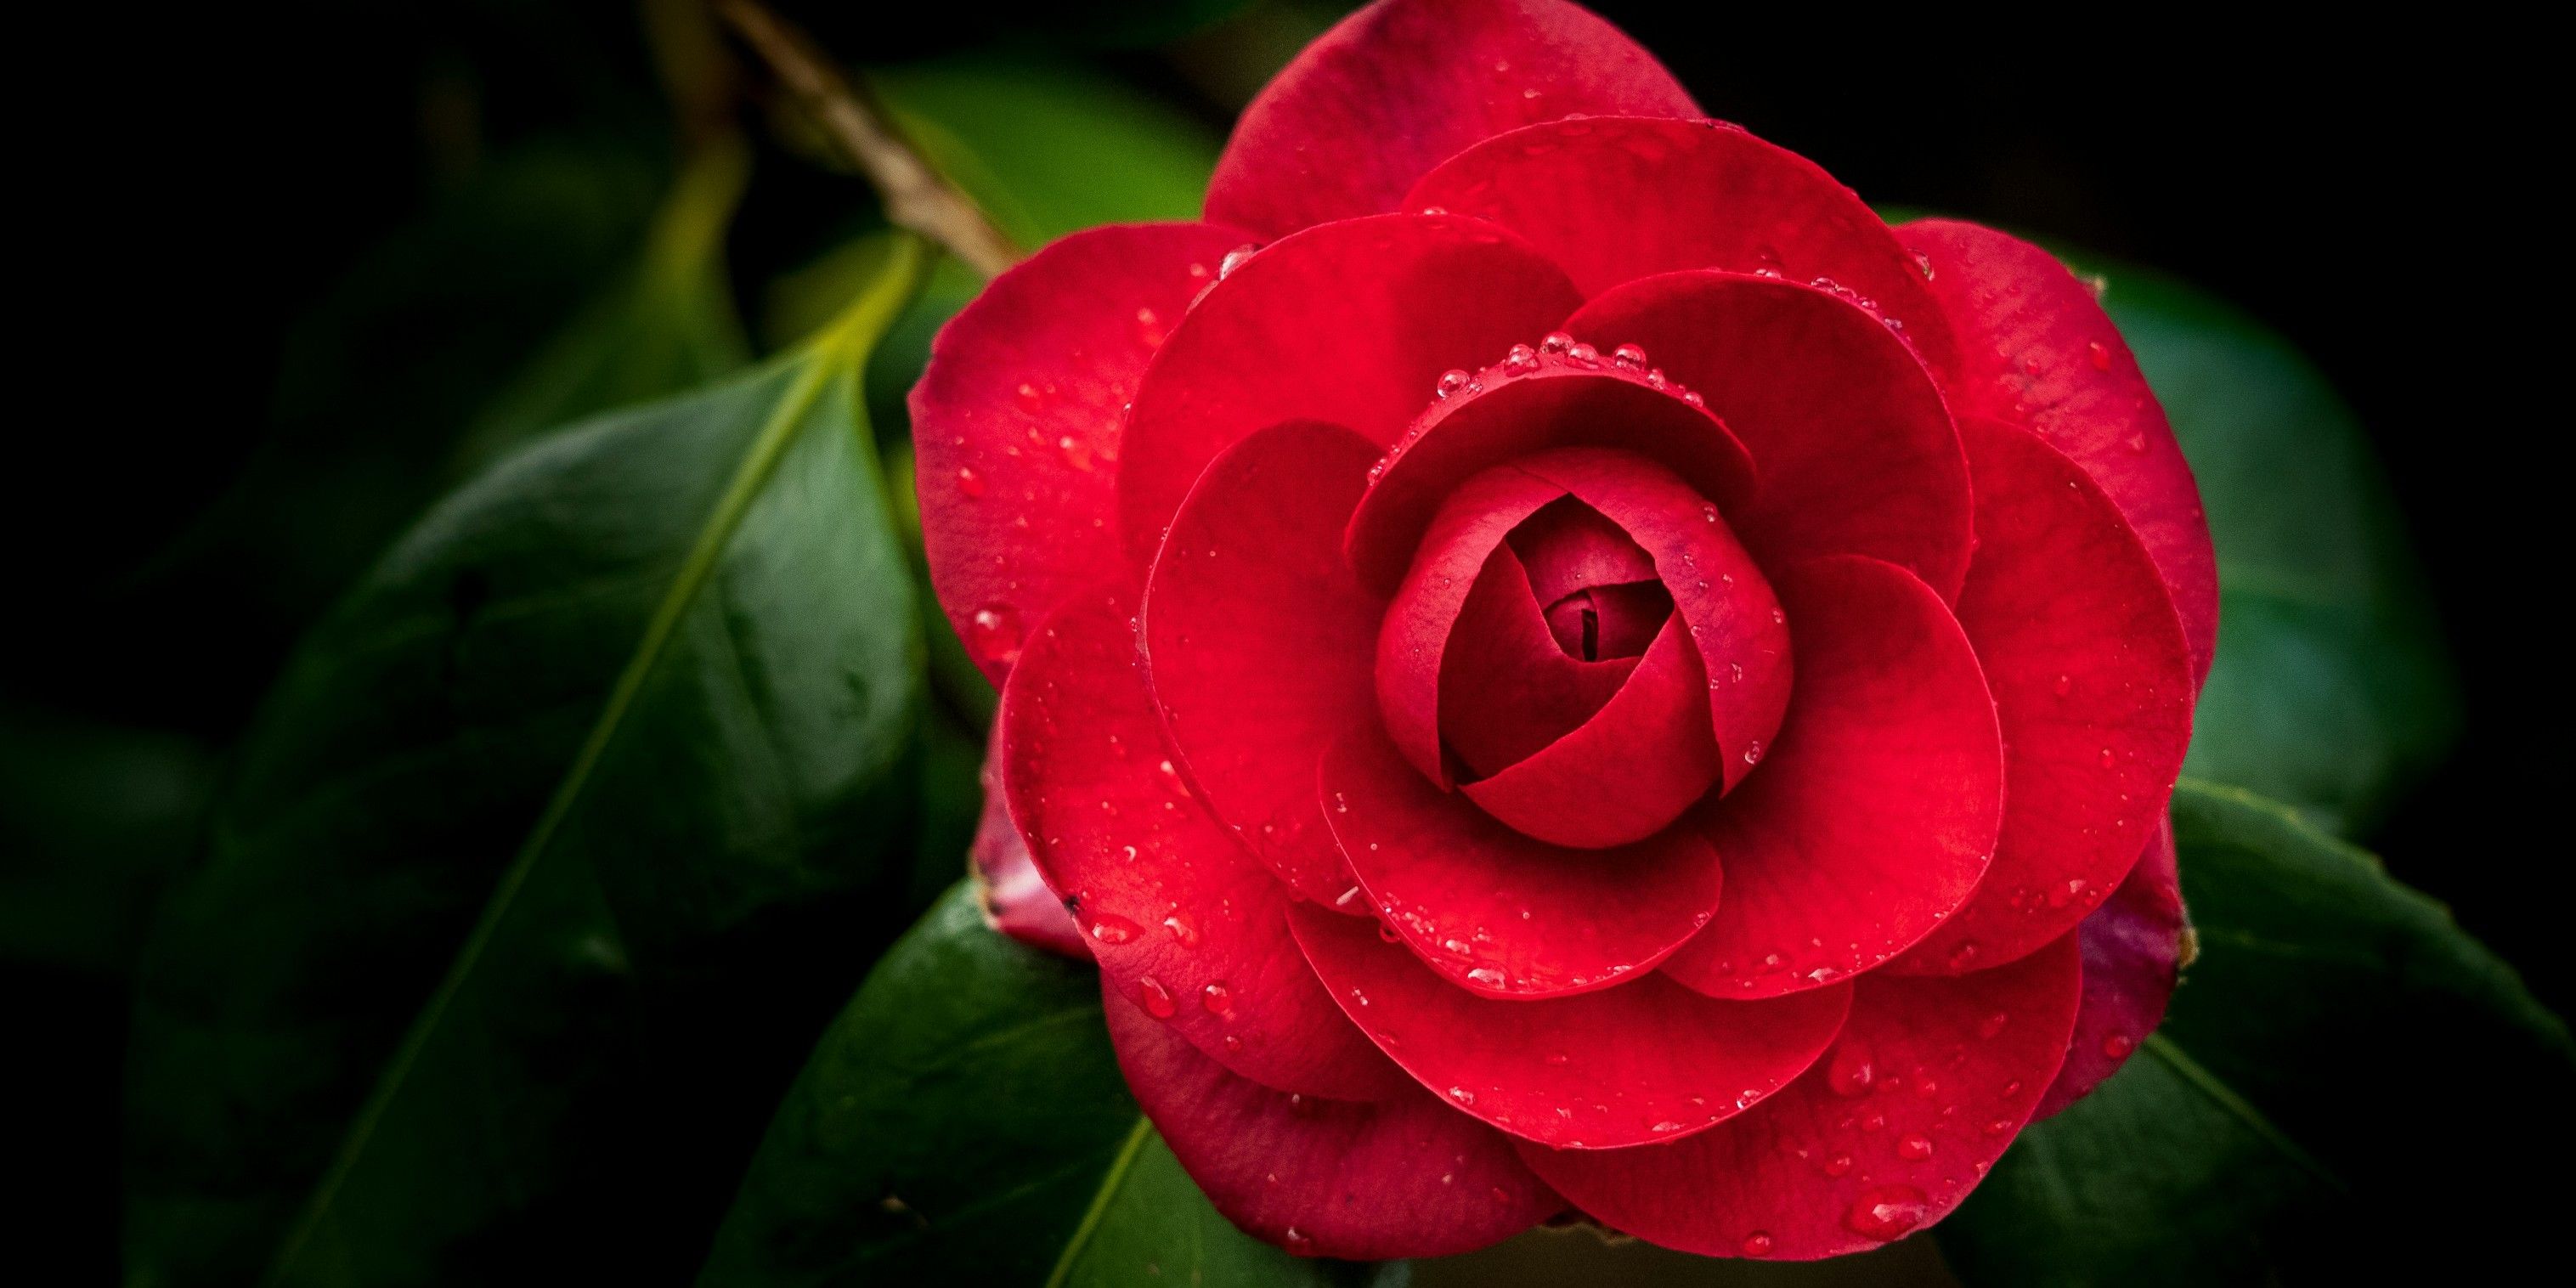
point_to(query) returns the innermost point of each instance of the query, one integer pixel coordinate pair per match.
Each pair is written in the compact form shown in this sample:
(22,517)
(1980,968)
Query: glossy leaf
(2346,1085)
(964,1121)
(2332,691)
(628,718)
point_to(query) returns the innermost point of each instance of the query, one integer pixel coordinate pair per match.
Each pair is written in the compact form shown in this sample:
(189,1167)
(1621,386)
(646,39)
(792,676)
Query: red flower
(1562,663)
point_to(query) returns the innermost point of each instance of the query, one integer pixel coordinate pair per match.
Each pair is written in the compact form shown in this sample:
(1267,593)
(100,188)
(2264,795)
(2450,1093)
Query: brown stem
(915,196)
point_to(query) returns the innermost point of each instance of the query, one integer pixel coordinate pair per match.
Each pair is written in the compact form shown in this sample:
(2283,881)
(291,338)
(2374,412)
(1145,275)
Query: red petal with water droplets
(1546,405)
(2133,953)
(1183,922)
(1615,199)
(2093,689)
(1928,1083)
(1017,899)
(1259,643)
(1639,763)
(1016,423)
(1390,91)
(1404,1177)
(1873,817)
(1719,595)
(1494,911)
(1501,646)
(1350,324)
(1851,441)
(1645,1061)
(2036,350)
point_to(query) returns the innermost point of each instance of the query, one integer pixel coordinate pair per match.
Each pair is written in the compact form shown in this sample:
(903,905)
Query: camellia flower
(1562,665)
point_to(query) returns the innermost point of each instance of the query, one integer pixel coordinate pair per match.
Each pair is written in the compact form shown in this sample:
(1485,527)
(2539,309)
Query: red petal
(1494,911)
(1413,638)
(1260,645)
(1017,900)
(1642,760)
(1327,1178)
(1544,403)
(1351,323)
(1015,423)
(2132,955)
(1393,89)
(1502,645)
(2036,350)
(1854,448)
(2092,686)
(1929,1082)
(1718,592)
(1874,816)
(1182,921)
(1644,1061)
(1617,199)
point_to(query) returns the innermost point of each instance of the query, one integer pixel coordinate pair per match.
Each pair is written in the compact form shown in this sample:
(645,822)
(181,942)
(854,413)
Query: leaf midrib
(833,355)
(1110,1182)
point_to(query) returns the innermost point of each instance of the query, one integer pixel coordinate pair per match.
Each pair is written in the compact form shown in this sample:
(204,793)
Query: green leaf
(629,717)
(1046,145)
(2332,691)
(668,326)
(964,1121)
(2347,1083)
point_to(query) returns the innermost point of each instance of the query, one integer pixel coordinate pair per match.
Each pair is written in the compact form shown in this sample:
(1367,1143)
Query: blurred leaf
(964,1121)
(1047,145)
(643,695)
(92,818)
(2332,691)
(669,326)
(2347,1085)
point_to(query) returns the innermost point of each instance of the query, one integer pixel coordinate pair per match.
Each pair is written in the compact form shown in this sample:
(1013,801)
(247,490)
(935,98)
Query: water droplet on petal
(1886,1212)
(993,635)
(1756,1244)
(1235,259)
(1451,381)
(1914,1148)
(1462,1095)
(2063,685)
(1218,999)
(1110,928)
(2098,355)
(1850,1072)
(1555,344)
(1838,1165)
(1158,999)
(2118,1046)
(969,483)
(1628,357)
(1184,928)
(1486,977)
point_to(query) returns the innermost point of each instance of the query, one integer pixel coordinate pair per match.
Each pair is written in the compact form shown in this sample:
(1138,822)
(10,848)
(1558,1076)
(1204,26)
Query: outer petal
(1396,87)
(1874,817)
(2037,350)
(1326,1178)
(2092,685)
(1017,900)
(1494,911)
(1642,760)
(1260,645)
(2134,950)
(1615,199)
(1351,323)
(1642,1062)
(1016,423)
(1183,922)
(1929,1082)
(1850,438)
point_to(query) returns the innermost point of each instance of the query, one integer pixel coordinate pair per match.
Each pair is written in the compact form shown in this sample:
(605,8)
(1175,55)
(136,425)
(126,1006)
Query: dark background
(193,179)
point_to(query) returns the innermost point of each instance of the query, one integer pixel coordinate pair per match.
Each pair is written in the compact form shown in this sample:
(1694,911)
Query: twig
(915,196)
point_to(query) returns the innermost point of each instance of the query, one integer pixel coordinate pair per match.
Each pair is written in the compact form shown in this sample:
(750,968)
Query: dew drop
(1555,344)
(993,635)
(1486,976)
(1296,1240)
(1218,999)
(1886,1212)
(1583,355)
(1158,999)
(969,483)
(1110,928)
(1628,357)
(1149,329)
(1234,259)
(1462,1095)
(2118,1046)
(1184,928)
(1451,381)
(2098,355)
(1521,361)
(1838,1165)
(2062,686)
(1993,1024)
(1914,1148)
(1850,1073)
(1031,398)
(1756,1244)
